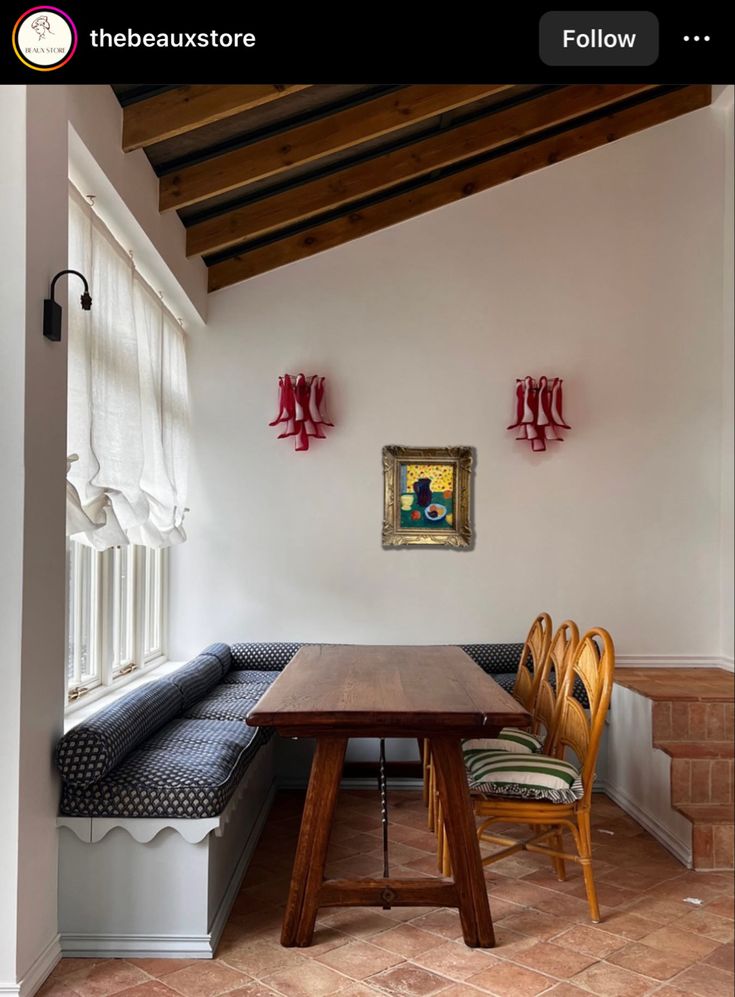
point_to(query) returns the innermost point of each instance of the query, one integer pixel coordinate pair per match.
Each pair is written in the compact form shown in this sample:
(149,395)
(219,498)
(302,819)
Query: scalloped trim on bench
(144,829)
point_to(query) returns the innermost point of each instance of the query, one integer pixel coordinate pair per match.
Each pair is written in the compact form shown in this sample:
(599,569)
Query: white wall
(34,247)
(727,567)
(605,270)
(12,372)
(44,553)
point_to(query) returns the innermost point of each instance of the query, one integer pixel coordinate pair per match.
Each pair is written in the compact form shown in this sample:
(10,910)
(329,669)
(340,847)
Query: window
(128,433)
(115,623)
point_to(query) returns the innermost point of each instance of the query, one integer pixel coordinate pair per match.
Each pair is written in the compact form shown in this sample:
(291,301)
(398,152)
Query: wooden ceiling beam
(326,135)
(191,106)
(457,186)
(279,210)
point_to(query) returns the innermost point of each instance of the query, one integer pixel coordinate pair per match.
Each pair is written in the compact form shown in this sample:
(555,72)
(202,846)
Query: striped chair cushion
(510,739)
(527,777)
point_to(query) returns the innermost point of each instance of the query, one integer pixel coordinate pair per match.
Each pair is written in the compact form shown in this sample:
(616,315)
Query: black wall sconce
(52,310)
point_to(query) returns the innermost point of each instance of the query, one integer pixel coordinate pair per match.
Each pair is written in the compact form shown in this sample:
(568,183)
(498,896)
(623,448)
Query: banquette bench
(164,795)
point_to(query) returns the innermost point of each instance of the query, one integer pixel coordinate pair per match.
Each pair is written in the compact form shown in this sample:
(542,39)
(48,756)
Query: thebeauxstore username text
(171,39)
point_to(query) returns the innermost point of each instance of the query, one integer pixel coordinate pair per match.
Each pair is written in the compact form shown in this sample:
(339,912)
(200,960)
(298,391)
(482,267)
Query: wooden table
(335,692)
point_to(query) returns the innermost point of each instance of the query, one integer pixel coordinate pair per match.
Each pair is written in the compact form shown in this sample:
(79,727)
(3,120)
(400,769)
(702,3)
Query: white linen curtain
(128,419)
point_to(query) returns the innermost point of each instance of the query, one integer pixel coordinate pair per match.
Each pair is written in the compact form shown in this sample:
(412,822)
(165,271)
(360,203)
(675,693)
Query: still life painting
(427,496)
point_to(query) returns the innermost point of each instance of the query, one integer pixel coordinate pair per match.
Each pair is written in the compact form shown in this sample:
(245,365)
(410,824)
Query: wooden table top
(385,690)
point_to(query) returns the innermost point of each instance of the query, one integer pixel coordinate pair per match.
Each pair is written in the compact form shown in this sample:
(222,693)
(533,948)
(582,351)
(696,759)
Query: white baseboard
(673,661)
(682,850)
(37,973)
(131,946)
(137,946)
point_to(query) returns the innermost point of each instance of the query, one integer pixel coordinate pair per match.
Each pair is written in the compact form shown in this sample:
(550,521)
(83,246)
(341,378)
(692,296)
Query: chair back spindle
(551,680)
(535,648)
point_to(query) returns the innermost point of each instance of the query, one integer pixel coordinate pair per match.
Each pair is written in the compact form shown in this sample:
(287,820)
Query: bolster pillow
(92,749)
(196,679)
(222,653)
(262,657)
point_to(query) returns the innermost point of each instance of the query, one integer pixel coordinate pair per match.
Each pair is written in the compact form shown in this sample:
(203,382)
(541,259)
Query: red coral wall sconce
(538,411)
(301,409)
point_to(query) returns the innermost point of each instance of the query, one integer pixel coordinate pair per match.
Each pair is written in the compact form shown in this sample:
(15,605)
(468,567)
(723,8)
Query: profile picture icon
(44,38)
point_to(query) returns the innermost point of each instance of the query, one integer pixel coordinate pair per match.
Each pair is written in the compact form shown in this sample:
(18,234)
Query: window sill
(103,696)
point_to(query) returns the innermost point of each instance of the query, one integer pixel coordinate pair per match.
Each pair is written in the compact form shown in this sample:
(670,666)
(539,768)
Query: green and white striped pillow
(512,739)
(527,776)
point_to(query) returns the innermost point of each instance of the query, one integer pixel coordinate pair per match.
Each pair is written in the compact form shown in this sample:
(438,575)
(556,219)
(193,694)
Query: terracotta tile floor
(651,940)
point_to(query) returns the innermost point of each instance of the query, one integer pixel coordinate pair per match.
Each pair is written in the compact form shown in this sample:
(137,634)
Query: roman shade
(128,400)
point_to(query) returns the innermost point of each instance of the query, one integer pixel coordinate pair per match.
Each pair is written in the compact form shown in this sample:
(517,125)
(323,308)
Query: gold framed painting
(427,496)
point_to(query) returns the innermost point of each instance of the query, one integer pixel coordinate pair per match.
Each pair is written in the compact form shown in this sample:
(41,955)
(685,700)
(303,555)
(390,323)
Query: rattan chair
(550,679)
(593,662)
(533,656)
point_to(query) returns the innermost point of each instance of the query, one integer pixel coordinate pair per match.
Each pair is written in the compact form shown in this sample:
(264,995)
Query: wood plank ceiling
(264,175)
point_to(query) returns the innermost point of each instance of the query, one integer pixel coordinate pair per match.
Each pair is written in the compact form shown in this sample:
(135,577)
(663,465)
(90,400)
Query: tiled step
(690,685)
(713,835)
(701,772)
(697,749)
(709,813)
(693,713)
(692,721)
(702,780)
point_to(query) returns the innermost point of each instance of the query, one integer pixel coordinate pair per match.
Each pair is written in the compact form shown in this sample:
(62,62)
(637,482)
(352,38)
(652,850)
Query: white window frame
(89,680)
(120,665)
(153,614)
(110,672)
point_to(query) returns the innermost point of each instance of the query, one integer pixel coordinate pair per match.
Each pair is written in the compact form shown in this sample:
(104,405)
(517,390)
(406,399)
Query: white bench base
(149,887)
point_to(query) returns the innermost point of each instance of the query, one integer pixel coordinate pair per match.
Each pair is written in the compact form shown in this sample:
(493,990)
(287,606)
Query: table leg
(311,851)
(464,848)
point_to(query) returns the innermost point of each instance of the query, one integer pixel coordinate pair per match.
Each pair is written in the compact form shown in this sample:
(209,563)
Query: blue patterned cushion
(223,654)
(197,678)
(96,746)
(189,769)
(507,679)
(495,659)
(186,732)
(228,702)
(249,676)
(269,657)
